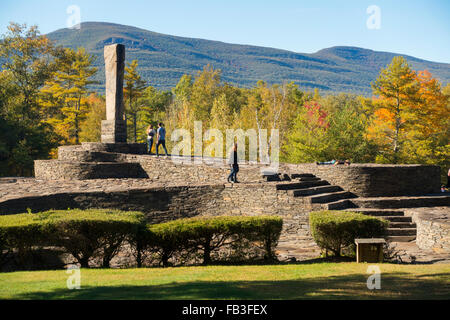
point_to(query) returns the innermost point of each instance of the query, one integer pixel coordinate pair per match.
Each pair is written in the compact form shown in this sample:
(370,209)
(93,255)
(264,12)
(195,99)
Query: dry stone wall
(374,180)
(364,180)
(168,203)
(433,228)
(67,170)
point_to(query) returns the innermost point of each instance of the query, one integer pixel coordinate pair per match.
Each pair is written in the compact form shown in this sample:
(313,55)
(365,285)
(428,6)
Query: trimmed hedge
(84,234)
(209,234)
(335,230)
(101,233)
(21,233)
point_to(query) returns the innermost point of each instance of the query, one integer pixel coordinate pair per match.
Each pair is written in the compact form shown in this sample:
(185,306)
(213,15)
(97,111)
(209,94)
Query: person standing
(161,139)
(233,162)
(150,136)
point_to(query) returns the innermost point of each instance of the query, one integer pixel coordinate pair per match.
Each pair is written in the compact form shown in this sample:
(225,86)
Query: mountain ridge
(163,59)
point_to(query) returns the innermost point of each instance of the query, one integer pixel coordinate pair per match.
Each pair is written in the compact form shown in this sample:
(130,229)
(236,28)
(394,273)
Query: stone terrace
(174,190)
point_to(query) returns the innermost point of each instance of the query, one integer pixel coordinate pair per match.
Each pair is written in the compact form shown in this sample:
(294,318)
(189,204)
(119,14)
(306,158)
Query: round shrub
(335,230)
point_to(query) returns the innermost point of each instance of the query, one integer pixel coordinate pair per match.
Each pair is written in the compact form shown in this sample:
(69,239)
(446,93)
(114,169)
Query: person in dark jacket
(161,139)
(234,163)
(150,136)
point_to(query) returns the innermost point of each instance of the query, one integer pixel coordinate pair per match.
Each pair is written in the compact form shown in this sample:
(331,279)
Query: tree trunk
(77,139)
(207,253)
(135,128)
(84,262)
(106,261)
(139,258)
(269,256)
(165,259)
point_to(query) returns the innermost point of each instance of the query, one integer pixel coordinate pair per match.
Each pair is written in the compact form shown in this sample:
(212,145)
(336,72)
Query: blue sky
(417,28)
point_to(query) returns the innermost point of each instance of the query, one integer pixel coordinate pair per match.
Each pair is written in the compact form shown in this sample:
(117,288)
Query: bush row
(336,230)
(102,233)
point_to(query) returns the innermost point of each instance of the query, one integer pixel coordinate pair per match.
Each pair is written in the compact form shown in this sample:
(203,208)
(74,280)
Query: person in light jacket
(233,162)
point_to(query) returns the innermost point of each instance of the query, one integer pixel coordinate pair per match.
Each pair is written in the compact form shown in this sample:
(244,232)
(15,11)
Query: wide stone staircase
(319,194)
(400,229)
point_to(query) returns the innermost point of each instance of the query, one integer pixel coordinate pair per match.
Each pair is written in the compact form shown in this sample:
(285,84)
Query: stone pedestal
(114,129)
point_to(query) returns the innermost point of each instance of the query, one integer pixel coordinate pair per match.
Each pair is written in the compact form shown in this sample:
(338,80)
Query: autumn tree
(66,93)
(26,58)
(307,140)
(397,92)
(133,90)
(271,107)
(25,64)
(91,126)
(154,103)
(429,133)
(333,127)
(205,89)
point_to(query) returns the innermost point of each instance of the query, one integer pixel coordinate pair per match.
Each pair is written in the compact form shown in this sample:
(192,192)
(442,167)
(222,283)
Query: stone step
(403,202)
(302,175)
(133,148)
(401,231)
(277,177)
(272,177)
(331,197)
(397,219)
(401,238)
(308,179)
(301,185)
(315,190)
(338,205)
(87,156)
(378,212)
(401,224)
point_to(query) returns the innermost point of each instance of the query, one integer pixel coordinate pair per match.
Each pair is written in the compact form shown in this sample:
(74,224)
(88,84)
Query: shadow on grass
(393,286)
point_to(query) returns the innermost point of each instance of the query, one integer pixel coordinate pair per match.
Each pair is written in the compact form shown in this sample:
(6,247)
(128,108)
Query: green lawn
(294,281)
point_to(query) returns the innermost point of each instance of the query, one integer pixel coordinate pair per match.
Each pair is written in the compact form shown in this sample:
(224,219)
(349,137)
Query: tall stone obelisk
(114,129)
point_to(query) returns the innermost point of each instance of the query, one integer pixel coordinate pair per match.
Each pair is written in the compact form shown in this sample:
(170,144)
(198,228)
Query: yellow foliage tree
(65,95)
(133,90)
(91,126)
(396,91)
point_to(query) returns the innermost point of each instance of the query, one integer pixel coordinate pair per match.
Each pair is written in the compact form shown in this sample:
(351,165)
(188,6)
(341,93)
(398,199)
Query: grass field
(294,281)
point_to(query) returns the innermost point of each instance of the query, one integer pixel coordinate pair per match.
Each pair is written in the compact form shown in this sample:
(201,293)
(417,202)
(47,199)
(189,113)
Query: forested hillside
(163,59)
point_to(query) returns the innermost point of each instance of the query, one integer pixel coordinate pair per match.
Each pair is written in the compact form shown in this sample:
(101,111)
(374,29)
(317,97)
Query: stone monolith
(114,128)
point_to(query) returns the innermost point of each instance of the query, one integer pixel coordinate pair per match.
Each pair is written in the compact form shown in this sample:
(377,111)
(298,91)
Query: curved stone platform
(67,170)
(362,180)
(433,228)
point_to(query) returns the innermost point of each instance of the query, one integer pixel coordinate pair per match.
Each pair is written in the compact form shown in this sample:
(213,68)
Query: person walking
(150,136)
(161,139)
(233,162)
